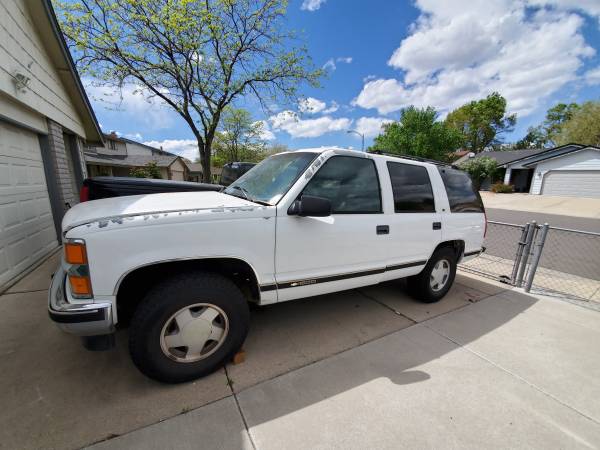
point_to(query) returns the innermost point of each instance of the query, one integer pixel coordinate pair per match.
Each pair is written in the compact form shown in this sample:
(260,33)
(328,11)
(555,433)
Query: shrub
(501,188)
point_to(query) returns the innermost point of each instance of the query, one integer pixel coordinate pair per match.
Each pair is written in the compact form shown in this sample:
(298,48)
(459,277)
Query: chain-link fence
(545,259)
(501,244)
(569,264)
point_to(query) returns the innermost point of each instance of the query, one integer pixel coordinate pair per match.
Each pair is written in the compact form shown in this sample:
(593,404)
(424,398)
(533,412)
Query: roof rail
(413,158)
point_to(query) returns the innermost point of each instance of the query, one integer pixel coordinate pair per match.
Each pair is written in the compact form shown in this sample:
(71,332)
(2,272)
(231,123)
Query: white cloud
(311,5)
(132,100)
(187,148)
(463,50)
(370,126)
(266,133)
(289,122)
(132,136)
(311,105)
(333,107)
(331,63)
(592,76)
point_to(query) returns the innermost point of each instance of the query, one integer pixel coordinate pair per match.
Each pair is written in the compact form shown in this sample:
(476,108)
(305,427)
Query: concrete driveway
(367,368)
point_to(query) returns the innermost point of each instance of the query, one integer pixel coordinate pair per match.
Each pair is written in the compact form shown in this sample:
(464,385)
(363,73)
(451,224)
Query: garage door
(572,183)
(27,230)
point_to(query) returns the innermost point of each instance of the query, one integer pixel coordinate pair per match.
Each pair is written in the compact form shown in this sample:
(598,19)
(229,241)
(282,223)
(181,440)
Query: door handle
(437,225)
(383,229)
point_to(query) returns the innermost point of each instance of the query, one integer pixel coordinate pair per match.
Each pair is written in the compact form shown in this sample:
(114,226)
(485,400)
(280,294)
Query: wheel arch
(457,245)
(133,285)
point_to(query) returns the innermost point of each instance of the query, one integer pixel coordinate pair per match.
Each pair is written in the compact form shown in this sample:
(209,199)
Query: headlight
(78,272)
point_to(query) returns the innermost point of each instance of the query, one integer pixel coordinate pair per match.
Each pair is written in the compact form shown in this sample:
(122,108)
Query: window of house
(411,187)
(462,195)
(350,183)
(112,145)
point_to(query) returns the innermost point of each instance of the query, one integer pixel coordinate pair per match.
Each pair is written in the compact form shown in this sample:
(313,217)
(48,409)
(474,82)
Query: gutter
(67,54)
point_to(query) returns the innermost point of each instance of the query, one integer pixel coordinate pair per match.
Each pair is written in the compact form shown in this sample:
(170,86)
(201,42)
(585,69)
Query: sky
(383,55)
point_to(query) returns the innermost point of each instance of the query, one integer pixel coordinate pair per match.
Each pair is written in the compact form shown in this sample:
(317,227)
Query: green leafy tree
(196,56)
(583,127)
(546,133)
(535,138)
(482,122)
(150,170)
(480,168)
(239,138)
(418,133)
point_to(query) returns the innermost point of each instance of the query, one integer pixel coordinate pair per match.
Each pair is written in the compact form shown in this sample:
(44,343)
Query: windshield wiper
(248,197)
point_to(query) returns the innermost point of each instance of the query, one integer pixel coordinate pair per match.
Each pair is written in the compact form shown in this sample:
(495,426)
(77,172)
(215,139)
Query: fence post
(537,254)
(520,245)
(526,250)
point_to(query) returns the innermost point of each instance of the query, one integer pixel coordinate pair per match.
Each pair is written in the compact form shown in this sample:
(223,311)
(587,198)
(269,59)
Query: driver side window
(349,183)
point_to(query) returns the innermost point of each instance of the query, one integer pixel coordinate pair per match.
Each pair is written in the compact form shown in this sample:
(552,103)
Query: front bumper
(82,319)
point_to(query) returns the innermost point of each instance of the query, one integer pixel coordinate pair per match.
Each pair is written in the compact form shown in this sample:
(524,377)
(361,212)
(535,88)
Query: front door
(316,255)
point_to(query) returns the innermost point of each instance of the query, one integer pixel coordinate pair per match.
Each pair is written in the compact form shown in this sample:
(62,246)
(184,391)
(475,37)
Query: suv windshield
(272,178)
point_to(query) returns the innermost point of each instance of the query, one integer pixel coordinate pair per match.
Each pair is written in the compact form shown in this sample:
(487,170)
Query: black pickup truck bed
(105,187)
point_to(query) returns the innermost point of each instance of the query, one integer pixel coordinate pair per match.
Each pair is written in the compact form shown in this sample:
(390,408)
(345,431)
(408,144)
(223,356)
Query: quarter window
(349,183)
(411,187)
(462,195)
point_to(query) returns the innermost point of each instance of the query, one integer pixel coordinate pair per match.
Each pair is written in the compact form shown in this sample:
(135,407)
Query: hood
(136,205)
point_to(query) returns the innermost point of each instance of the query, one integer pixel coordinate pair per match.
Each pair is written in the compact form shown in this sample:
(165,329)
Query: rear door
(316,255)
(415,224)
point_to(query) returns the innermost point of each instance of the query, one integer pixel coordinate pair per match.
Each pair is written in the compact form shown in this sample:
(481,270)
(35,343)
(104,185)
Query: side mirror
(309,205)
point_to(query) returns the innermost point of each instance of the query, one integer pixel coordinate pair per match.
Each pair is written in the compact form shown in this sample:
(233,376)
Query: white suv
(181,268)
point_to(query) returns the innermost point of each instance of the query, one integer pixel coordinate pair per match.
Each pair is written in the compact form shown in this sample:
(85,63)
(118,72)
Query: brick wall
(63,166)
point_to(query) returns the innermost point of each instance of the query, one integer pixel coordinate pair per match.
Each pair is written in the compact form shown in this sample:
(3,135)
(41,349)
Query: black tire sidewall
(165,300)
(420,285)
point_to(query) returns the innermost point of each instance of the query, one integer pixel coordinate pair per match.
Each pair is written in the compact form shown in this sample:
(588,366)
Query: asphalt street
(564,251)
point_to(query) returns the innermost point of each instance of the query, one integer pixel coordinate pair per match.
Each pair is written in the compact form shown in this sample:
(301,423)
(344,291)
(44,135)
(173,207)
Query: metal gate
(537,257)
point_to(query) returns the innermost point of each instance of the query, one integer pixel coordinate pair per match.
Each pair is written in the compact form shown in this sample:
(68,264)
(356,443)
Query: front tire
(188,326)
(436,279)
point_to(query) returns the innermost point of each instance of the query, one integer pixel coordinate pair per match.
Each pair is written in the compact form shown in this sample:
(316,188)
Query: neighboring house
(195,172)
(44,117)
(568,170)
(119,155)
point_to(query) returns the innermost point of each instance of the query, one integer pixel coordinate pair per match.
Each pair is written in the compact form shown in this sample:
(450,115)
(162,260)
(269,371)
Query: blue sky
(383,55)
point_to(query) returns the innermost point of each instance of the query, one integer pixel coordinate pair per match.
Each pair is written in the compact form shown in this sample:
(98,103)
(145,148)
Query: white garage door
(572,183)
(26,228)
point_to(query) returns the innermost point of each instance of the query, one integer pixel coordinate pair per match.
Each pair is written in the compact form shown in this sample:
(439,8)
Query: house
(568,170)
(119,155)
(45,116)
(195,172)
(571,170)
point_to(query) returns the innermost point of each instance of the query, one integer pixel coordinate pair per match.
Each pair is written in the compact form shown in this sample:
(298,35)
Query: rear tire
(436,279)
(188,326)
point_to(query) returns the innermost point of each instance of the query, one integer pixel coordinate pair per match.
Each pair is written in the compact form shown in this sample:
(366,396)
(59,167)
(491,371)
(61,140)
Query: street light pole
(362,137)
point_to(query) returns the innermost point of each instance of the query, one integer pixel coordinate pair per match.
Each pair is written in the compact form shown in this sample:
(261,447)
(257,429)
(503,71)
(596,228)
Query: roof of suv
(375,153)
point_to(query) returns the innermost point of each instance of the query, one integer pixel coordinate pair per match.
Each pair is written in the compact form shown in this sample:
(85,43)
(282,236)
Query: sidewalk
(509,370)
(565,206)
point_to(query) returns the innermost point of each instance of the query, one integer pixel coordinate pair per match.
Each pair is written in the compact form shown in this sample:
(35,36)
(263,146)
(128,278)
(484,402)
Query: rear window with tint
(461,193)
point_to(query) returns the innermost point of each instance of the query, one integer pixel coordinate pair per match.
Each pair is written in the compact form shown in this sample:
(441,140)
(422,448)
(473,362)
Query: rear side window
(349,183)
(461,193)
(411,187)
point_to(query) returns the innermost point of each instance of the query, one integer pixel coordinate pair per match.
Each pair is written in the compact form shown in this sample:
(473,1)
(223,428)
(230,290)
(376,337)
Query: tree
(480,169)
(583,127)
(482,122)
(418,133)
(239,138)
(535,138)
(150,170)
(547,132)
(196,56)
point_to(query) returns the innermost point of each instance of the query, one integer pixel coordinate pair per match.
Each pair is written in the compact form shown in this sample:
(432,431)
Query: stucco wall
(587,159)
(22,52)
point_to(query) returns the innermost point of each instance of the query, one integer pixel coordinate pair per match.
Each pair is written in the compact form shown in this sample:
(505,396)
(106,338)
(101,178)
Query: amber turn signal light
(80,286)
(75,253)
